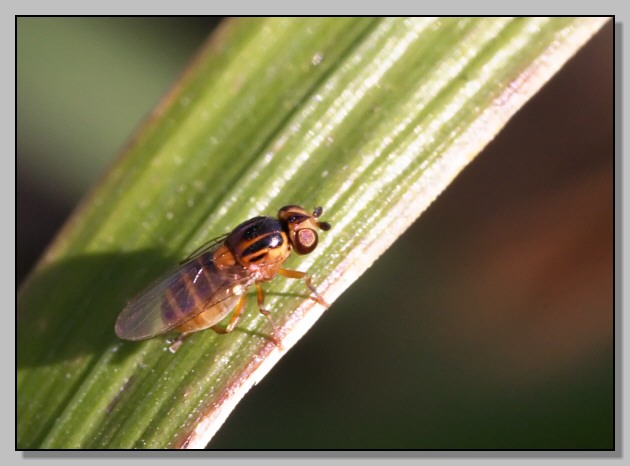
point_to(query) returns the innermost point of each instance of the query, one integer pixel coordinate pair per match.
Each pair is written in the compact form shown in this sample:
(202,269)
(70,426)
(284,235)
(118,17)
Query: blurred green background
(488,325)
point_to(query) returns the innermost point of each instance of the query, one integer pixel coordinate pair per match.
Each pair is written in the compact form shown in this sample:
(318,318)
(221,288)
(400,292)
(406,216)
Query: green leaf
(370,118)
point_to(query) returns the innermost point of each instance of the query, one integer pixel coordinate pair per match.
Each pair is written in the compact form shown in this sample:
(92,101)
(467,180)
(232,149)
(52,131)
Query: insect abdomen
(210,316)
(193,291)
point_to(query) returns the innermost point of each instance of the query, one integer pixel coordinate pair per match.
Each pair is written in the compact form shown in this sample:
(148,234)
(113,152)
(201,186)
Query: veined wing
(190,289)
(210,245)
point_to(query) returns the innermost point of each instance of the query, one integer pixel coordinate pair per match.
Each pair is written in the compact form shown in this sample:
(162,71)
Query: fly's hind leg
(176,343)
(237,312)
(307,281)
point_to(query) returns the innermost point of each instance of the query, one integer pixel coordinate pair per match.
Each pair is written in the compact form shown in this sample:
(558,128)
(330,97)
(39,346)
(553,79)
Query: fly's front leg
(307,281)
(260,295)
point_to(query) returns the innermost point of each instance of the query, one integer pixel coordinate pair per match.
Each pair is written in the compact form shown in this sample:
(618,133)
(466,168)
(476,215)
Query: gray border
(618,246)
(152,454)
(55,456)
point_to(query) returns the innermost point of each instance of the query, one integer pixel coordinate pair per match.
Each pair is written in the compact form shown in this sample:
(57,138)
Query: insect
(214,280)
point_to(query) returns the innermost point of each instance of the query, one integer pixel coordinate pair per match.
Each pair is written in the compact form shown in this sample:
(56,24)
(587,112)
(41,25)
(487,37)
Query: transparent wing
(206,247)
(193,287)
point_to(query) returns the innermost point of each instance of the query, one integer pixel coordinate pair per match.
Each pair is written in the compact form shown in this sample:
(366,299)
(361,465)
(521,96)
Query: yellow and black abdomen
(200,286)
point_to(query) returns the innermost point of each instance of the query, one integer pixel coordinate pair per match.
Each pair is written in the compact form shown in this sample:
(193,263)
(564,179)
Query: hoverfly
(213,281)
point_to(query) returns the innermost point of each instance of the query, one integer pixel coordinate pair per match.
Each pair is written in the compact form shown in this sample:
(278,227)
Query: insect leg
(236,316)
(260,295)
(175,344)
(307,281)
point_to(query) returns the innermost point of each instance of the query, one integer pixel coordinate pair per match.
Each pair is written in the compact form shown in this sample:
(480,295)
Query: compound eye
(305,241)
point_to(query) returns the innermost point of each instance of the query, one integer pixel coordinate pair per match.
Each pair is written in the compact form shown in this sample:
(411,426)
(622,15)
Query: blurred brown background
(488,325)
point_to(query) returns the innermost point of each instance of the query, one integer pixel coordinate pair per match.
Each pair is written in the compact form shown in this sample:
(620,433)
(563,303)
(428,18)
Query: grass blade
(371,118)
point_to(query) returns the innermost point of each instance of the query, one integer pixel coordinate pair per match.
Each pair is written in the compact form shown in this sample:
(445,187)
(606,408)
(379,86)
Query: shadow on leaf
(67,310)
